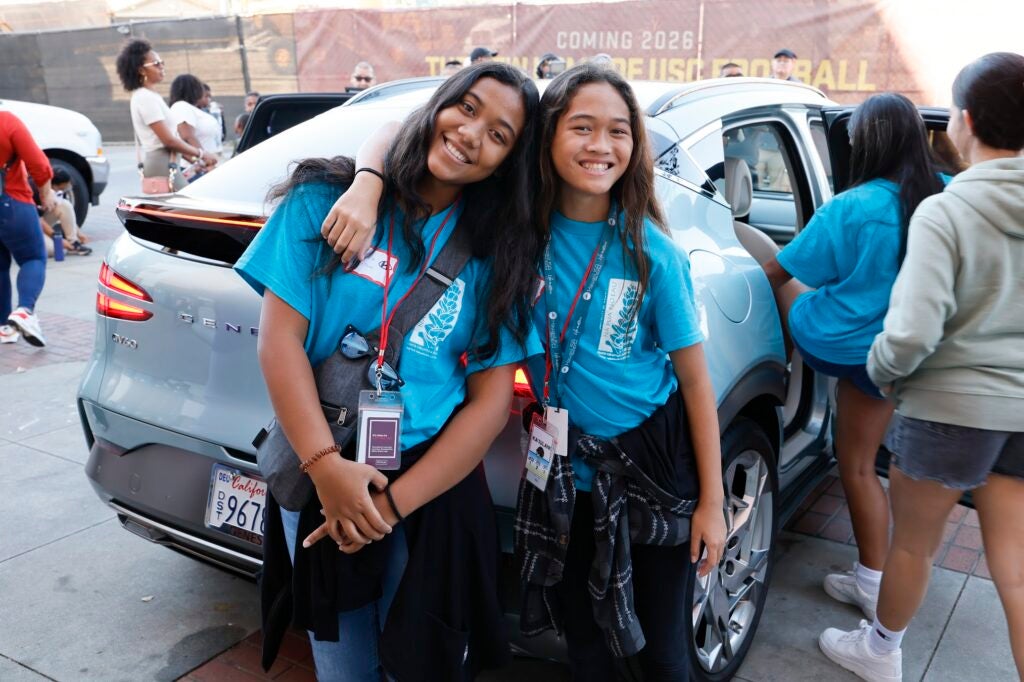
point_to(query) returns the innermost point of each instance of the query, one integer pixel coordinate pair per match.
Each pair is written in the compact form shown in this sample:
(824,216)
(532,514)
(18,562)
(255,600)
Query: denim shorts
(958,457)
(858,374)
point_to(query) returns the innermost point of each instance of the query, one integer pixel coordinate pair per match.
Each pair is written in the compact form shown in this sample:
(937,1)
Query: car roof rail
(671,98)
(396,87)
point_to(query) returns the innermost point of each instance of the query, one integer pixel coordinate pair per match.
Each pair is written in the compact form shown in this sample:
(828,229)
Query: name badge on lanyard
(379,434)
(540,453)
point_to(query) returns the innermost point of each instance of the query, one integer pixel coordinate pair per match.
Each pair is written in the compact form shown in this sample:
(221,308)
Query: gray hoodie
(953,341)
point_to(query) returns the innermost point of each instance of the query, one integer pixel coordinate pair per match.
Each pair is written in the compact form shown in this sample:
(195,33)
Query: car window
(764,148)
(707,152)
(760,146)
(821,146)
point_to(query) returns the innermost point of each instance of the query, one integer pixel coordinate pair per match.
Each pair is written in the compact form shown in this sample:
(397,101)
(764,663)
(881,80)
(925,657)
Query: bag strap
(438,278)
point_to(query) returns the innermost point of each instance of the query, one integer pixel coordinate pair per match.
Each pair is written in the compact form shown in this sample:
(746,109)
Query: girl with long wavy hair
(850,252)
(458,169)
(624,369)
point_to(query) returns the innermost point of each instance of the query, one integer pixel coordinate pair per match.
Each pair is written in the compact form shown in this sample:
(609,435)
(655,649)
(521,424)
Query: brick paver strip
(68,339)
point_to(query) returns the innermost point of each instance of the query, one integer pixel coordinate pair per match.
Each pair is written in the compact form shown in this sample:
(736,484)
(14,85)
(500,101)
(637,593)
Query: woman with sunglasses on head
(140,70)
(851,251)
(457,170)
(952,355)
(632,369)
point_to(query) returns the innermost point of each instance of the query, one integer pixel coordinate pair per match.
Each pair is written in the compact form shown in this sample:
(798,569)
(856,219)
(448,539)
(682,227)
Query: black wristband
(365,169)
(391,503)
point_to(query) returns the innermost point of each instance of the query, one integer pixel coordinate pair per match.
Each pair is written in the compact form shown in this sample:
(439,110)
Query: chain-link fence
(844,47)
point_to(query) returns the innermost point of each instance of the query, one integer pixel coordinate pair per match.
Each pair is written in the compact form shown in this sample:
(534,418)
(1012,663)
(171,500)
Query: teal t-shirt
(288,252)
(849,252)
(621,372)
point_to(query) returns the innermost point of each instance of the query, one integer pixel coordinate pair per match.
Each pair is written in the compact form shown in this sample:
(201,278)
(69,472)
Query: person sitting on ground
(64,213)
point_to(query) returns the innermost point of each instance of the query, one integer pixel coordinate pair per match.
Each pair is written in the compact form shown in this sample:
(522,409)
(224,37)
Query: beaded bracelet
(305,464)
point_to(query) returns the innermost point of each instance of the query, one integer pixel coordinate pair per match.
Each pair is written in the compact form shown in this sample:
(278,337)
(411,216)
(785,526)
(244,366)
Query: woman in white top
(140,69)
(192,124)
(188,99)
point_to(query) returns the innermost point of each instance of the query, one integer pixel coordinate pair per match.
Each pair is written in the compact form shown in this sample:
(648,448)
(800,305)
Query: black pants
(661,589)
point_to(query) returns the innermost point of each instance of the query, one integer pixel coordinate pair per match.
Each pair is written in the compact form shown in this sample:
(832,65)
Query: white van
(72,143)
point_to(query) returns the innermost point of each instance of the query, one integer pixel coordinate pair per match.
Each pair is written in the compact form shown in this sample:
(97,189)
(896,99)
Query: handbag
(160,184)
(340,380)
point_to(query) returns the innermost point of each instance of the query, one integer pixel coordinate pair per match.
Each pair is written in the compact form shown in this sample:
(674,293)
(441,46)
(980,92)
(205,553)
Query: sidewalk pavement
(84,600)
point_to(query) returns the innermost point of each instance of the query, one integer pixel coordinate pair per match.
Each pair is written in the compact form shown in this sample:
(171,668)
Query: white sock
(883,641)
(868,579)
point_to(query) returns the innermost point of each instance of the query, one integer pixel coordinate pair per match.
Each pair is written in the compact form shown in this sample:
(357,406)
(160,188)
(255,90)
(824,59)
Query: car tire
(79,186)
(719,635)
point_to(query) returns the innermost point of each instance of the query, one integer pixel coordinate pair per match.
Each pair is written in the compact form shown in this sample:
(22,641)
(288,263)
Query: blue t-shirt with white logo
(286,257)
(849,252)
(621,372)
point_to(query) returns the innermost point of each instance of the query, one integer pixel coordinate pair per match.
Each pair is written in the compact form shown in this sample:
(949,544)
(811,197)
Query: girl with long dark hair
(458,169)
(851,251)
(952,355)
(636,375)
(626,388)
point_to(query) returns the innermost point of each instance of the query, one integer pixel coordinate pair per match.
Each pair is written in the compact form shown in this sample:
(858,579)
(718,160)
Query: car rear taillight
(109,306)
(522,386)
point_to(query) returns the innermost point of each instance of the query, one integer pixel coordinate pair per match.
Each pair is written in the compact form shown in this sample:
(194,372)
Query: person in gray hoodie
(952,355)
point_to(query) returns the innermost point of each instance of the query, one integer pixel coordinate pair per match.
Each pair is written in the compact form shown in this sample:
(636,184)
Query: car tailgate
(192,366)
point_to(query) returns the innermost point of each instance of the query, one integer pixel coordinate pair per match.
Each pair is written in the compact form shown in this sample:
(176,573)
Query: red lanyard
(385,320)
(568,319)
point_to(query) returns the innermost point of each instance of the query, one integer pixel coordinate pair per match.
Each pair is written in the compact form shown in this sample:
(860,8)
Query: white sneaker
(28,324)
(843,587)
(9,334)
(852,651)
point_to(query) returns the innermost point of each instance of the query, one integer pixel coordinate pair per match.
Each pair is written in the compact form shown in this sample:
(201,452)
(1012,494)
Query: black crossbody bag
(3,173)
(339,381)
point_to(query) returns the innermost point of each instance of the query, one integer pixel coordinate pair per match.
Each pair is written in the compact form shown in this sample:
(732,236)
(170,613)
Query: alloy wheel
(726,601)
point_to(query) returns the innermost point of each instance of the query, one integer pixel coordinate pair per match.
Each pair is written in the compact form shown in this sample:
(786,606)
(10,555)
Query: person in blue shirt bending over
(851,252)
(457,169)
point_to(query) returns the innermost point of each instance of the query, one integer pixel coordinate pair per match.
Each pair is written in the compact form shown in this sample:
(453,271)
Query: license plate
(237,504)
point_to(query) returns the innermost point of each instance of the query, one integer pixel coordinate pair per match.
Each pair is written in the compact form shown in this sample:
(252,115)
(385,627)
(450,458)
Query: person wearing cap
(482,54)
(783,64)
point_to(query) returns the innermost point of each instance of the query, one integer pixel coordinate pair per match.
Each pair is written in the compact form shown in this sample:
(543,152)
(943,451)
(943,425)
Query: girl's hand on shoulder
(352,221)
(707,526)
(344,491)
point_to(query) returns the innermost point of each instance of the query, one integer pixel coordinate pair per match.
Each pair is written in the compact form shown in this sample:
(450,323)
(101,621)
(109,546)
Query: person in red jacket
(20,236)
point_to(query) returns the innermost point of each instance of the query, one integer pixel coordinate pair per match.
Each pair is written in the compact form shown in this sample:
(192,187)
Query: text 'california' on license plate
(237,504)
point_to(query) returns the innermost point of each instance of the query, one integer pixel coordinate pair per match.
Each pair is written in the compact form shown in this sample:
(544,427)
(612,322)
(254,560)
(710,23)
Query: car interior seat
(738,189)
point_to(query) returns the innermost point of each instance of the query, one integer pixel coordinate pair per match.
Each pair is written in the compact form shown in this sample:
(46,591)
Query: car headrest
(737,186)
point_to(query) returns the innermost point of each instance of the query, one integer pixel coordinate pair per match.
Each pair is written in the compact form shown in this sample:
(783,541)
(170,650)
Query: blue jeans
(21,237)
(355,657)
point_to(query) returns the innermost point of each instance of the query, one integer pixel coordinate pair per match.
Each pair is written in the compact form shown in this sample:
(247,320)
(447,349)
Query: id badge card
(379,437)
(540,453)
(557,419)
